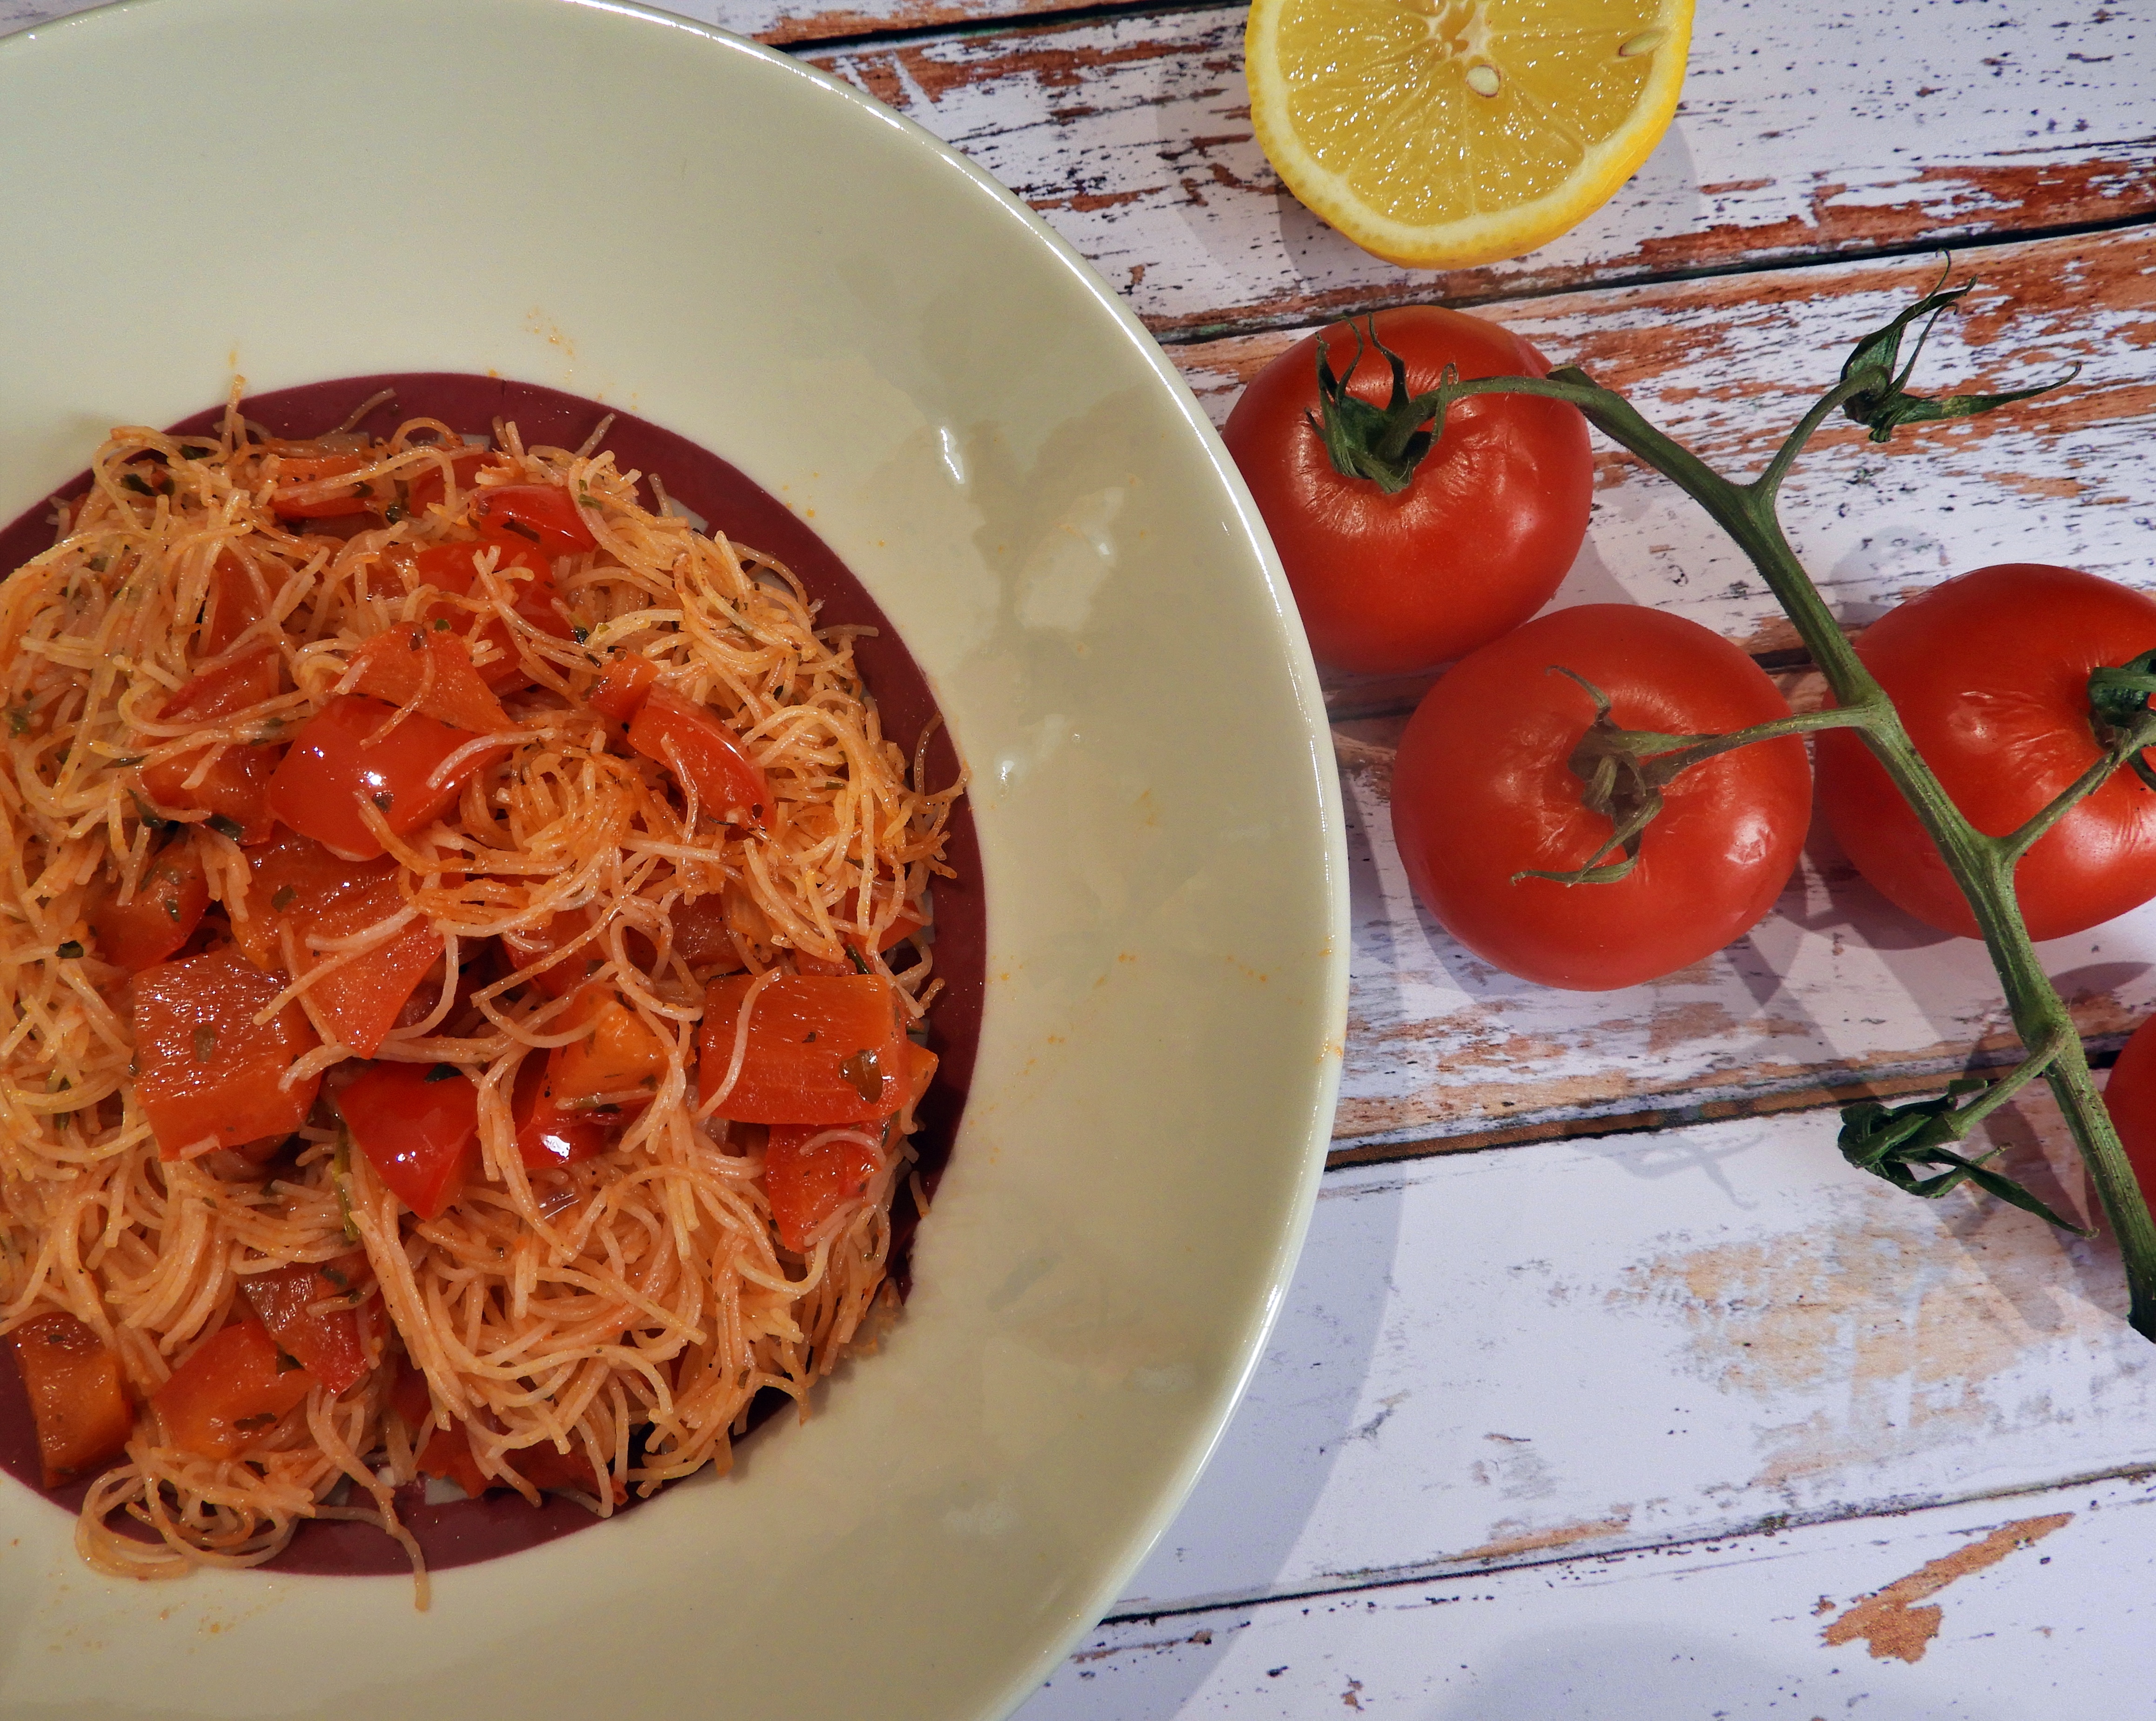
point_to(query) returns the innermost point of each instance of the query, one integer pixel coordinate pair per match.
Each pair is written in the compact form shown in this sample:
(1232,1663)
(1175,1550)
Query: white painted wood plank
(1588,1346)
(1802,133)
(1998,1611)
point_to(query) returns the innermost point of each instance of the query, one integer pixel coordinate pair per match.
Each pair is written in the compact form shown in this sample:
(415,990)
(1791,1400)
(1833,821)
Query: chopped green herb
(226,827)
(582,633)
(859,966)
(129,481)
(18,718)
(384,800)
(190,453)
(99,564)
(172,910)
(335,1275)
(261,1419)
(441,624)
(71,948)
(284,898)
(132,759)
(444,1073)
(340,1175)
(205,1044)
(395,512)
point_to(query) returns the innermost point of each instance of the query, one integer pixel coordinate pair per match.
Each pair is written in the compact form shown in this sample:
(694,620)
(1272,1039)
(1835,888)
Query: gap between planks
(1552,1549)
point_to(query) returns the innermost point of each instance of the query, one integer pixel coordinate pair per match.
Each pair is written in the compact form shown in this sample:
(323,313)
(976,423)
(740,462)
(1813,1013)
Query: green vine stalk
(1910,1145)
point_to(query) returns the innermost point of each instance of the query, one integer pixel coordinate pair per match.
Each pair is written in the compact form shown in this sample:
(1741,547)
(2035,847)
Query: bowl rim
(1207,1427)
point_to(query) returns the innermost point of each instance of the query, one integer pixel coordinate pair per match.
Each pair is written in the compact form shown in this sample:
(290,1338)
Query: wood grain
(1946,122)
(1578,1347)
(1742,1628)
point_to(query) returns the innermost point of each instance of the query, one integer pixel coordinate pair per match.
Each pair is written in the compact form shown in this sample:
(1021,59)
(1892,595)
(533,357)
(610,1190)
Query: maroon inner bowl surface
(459,1532)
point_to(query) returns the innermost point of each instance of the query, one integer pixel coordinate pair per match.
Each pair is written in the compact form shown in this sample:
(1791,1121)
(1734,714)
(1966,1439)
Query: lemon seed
(1647,42)
(1482,80)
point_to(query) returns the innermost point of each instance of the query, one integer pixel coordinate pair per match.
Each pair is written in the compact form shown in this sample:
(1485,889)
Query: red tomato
(1990,674)
(235,789)
(453,568)
(1477,542)
(528,946)
(1482,791)
(416,1125)
(161,915)
(362,999)
(206,1076)
(78,1395)
(702,752)
(327,1342)
(332,766)
(232,607)
(820,1049)
(541,514)
(2129,1095)
(231,1392)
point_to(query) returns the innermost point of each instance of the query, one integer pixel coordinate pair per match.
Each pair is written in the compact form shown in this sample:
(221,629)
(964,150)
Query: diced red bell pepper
(297,470)
(700,937)
(161,915)
(428,489)
(235,787)
(621,690)
(77,1394)
(393,667)
(704,755)
(619,1057)
(806,1179)
(291,880)
(821,1049)
(448,1454)
(231,1392)
(362,999)
(411,1399)
(452,568)
(529,945)
(233,607)
(328,1342)
(549,1133)
(543,514)
(418,1126)
(331,768)
(206,1077)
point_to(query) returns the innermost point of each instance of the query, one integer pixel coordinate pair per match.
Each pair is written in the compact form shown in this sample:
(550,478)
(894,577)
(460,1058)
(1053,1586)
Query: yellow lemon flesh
(1441,133)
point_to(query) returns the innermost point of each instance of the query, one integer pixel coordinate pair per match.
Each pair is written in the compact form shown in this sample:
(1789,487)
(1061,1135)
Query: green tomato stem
(1981,865)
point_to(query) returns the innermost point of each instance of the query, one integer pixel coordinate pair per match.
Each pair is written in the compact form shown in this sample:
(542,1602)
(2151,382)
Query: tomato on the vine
(1483,791)
(1990,673)
(1483,529)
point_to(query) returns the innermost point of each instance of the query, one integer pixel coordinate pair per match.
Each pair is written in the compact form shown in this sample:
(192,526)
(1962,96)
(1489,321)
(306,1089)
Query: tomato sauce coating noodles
(469,942)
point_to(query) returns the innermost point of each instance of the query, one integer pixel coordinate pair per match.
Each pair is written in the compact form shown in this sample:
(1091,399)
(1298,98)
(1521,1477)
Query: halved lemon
(1441,133)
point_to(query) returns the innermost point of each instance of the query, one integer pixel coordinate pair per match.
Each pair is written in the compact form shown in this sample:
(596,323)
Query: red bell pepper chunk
(78,1395)
(541,514)
(530,945)
(234,787)
(700,937)
(232,608)
(206,1076)
(620,1058)
(231,1392)
(452,568)
(448,1454)
(327,1342)
(621,690)
(291,881)
(820,1049)
(549,1133)
(295,470)
(425,490)
(418,1127)
(393,667)
(808,1178)
(161,915)
(702,752)
(331,769)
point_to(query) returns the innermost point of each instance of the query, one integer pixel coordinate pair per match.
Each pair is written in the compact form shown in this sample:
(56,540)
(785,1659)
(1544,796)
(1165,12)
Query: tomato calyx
(1879,399)
(1384,444)
(2119,712)
(1890,1141)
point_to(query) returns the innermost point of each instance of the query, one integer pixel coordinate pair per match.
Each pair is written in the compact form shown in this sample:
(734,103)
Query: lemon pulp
(1448,132)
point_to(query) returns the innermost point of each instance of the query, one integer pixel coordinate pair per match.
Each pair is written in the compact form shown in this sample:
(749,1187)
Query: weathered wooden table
(1606,1390)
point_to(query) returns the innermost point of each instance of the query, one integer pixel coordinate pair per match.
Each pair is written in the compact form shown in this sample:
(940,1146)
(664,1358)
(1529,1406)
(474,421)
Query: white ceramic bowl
(706,234)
